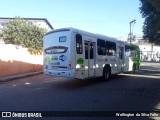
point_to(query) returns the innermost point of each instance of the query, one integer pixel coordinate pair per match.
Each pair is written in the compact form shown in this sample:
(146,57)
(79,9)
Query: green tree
(156,4)
(151,26)
(19,32)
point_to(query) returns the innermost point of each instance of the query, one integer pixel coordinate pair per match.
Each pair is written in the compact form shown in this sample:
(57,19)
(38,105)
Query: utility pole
(152,51)
(130,34)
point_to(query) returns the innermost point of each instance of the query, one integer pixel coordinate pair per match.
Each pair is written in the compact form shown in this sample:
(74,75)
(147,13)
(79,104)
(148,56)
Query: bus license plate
(54,67)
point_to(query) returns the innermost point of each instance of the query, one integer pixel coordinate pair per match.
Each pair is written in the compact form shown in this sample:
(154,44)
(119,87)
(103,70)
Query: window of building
(101,47)
(30,23)
(2,23)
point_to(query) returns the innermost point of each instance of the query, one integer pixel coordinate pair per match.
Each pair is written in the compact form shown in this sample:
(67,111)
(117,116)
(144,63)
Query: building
(149,52)
(41,22)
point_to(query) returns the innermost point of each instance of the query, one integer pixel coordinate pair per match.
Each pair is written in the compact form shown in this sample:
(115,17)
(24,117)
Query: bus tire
(134,69)
(106,73)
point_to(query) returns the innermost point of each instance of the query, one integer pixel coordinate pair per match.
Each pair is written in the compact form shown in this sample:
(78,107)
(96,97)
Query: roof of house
(44,19)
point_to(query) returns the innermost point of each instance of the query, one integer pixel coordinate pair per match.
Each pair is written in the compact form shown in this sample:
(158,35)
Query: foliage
(151,25)
(156,4)
(24,33)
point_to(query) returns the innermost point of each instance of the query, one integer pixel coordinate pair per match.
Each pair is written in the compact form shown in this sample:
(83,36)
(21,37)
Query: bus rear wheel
(106,73)
(133,69)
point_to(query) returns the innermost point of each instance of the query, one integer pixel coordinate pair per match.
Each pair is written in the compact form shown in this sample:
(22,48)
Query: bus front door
(89,59)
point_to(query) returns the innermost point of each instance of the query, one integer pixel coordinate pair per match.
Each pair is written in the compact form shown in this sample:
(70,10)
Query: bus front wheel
(106,73)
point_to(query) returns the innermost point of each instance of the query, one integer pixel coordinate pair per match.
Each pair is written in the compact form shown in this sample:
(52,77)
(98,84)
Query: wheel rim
(106,75)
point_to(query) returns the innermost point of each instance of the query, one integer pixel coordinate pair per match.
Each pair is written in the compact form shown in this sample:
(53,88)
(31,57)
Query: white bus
(79,54)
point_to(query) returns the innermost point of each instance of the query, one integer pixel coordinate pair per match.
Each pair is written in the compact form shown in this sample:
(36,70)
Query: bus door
(89,59)
(121,59)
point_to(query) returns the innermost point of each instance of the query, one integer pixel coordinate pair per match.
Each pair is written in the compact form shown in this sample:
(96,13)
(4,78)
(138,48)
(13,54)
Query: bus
(135,54)
(75,53)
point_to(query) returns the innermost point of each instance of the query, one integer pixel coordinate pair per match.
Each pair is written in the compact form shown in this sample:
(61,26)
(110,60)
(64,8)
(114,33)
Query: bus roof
(100,36)
(56,30)
(136,47)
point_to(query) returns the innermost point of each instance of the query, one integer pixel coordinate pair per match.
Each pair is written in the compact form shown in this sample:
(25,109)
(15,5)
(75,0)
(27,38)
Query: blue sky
(109,17)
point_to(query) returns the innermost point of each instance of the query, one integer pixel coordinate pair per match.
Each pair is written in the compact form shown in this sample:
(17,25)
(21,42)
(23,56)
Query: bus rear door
(89,59)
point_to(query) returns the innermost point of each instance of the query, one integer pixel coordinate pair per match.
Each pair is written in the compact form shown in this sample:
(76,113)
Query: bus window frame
(79,45)
(110,48)
(100,44)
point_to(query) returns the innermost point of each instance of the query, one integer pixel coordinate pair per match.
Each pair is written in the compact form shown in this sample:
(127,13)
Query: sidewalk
(8,78)
(149,63)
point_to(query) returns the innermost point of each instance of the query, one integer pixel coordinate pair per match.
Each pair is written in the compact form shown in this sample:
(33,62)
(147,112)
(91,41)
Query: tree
(20,32)
(151,25)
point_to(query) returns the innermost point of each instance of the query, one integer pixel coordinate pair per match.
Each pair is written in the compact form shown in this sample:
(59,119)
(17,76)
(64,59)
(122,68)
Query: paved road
(124,92)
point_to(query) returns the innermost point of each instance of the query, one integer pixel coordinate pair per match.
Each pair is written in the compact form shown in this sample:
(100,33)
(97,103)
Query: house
(149,51)
(15,59)
(41,22)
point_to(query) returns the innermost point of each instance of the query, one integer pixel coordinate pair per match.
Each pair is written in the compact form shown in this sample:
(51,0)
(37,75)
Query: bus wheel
(134,69)
(106,73)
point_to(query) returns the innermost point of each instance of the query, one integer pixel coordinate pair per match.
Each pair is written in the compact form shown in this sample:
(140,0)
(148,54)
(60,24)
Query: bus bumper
(69,73)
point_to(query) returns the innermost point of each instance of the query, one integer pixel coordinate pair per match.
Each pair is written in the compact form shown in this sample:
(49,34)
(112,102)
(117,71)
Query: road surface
(124,92)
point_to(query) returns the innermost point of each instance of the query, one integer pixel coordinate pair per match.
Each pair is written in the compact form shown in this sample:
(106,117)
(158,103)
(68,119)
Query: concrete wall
(17,60)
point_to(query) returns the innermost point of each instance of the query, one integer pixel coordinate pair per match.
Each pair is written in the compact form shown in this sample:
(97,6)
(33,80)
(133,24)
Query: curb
(9,78)
(149,64)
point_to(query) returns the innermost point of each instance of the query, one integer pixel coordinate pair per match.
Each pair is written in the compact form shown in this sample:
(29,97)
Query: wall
(17,60)
(148,52)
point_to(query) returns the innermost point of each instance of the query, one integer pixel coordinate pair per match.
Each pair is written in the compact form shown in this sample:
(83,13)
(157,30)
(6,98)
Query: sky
(107,17)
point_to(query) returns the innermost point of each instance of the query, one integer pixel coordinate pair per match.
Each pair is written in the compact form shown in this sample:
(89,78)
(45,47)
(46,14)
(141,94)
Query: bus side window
(133,52)
(110,48)
(79,47)
(101,47)
(120,53)
(127,51)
